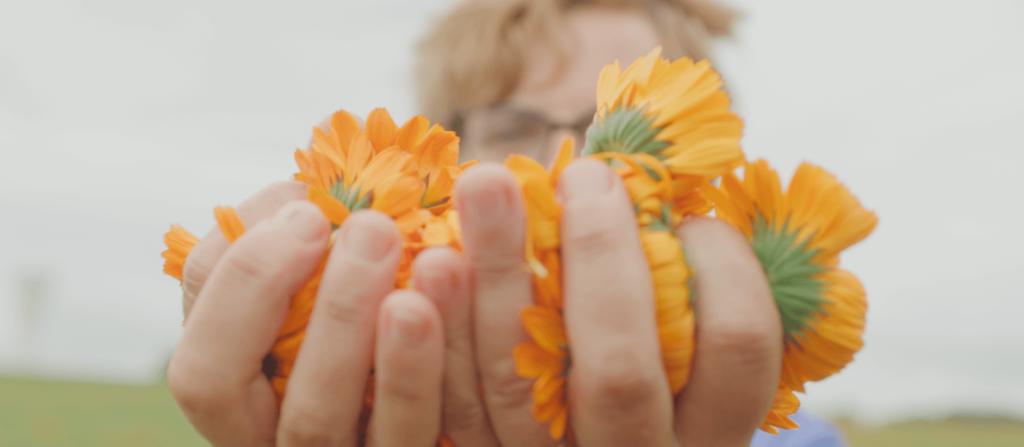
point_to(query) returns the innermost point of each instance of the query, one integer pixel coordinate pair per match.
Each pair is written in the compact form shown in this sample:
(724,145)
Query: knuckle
(593,236)
(497,255)
(341,311)
(403,391)
(748,342)
(300,426)
(250,264)
(463,416)
(621,383)
(716,234)
(196,269)
(494,269)
(497,261)
(715,228)
(195,395)
(506,390)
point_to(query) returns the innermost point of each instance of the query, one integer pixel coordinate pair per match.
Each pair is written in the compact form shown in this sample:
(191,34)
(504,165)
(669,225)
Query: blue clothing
(813,432)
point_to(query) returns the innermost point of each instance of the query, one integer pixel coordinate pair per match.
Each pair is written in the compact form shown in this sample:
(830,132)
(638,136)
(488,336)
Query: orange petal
(381,129)
(438,232)
(229,222)
(179,244)
(545,327)
(533,361)
(328,204)
(440,190)
(467,164)
(343,127)
(360,151)
(437,150)
(409,222)
(559,423)
(562,159)
(411,132)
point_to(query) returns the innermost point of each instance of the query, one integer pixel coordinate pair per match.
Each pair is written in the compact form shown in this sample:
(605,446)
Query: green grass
(951,432)
(35,413)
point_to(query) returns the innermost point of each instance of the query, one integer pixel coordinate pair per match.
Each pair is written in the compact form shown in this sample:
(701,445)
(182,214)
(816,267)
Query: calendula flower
(385,168)
(547,361)
(797,235)
(439,230)
(667,131)
(652,193)
(547,358)
(346,173)
(278,364)
(674,111)
(179,243)
(784,405)
(435,151)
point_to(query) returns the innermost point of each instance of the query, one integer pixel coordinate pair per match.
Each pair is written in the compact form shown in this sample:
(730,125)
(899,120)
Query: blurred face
(549,104)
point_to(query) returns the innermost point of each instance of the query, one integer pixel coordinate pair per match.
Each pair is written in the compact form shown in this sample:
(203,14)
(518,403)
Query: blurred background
(118,118)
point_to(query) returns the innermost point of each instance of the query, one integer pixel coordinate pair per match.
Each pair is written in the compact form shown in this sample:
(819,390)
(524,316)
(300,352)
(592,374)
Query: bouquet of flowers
(666,129)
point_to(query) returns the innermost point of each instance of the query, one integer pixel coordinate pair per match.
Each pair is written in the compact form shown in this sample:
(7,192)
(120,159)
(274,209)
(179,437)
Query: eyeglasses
(494,132)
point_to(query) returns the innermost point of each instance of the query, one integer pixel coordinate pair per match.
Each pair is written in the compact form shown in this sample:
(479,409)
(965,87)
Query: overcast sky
(118,118)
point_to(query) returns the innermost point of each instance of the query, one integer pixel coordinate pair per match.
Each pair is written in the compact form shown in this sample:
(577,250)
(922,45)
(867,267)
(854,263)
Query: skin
(442,352)
(216,376)
(617,395)
(593,37)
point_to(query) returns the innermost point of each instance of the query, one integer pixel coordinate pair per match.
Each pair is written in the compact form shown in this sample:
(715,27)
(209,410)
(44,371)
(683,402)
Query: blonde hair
(475,54)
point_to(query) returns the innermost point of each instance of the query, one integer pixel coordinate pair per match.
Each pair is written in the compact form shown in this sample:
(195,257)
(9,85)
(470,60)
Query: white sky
(118,118)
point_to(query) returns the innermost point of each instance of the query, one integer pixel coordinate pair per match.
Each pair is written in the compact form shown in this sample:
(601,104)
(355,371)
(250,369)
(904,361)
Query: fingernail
(370,238)
(407,327)
(484,203)
(585,178)
(303,220)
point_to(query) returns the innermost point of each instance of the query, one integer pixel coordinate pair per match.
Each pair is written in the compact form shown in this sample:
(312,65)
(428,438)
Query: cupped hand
(236,298)
(618,392)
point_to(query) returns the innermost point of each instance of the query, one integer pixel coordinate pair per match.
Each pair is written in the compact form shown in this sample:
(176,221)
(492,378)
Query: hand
(618,392)
(237,297)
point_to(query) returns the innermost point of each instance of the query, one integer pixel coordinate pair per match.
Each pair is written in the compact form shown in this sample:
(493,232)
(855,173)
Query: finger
(738,354)
(216,372)
(619,389)
(207,252)
(409,364)
(441,274)
(493,224)
(326,388)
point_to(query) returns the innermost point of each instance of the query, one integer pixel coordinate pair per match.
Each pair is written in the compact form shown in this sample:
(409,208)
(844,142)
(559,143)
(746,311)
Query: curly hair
(474,55)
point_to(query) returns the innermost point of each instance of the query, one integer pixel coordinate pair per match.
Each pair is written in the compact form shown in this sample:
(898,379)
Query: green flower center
(661,222)
(626,131)
(350,197)
(791,276)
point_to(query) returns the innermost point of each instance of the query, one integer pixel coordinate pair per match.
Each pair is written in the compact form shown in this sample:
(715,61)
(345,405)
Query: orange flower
(546,359)
(435,151)
(667,131)
(798,235)
(784,405)
(652,191)
(674,111)
(179,243)
(385,168)
(346,172)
